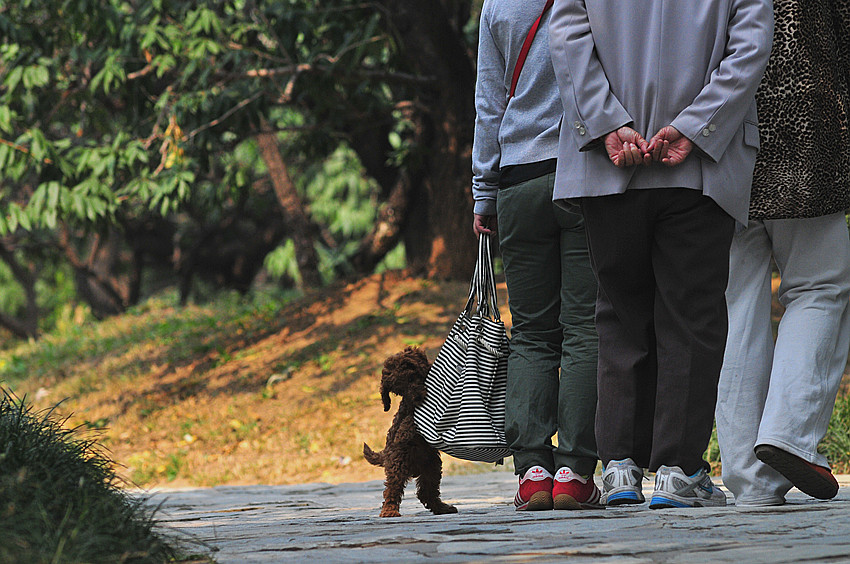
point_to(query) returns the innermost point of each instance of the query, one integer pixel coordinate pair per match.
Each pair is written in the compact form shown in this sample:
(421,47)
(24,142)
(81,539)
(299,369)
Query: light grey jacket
(695,64)
(521,130)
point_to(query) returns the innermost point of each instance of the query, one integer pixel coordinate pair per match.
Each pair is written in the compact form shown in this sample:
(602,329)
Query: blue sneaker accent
(624,497)
(661,502)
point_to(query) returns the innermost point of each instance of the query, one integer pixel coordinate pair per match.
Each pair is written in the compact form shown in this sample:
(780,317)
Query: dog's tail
(372,457)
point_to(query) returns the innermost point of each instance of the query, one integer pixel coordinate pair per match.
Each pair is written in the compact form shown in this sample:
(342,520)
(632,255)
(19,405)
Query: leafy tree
(129,131)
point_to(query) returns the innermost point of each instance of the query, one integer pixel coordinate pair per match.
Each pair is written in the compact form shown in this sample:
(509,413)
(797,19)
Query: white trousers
(782,393)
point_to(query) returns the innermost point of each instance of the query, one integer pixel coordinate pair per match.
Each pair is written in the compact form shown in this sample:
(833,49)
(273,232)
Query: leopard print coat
(803,167)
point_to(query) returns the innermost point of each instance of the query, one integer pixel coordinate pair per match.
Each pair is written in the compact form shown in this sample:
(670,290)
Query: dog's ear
(388,376)
(385,397)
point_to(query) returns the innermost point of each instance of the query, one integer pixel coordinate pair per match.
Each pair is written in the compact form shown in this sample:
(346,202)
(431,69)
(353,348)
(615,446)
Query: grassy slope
(232,393)
(262,392)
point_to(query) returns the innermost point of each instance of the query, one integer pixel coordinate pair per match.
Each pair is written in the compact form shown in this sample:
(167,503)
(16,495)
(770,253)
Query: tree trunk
(438,235)
(27,326)
(387,231)
(97,279)
(302,230)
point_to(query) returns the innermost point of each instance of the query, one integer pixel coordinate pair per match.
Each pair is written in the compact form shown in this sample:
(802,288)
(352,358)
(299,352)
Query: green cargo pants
(552,298)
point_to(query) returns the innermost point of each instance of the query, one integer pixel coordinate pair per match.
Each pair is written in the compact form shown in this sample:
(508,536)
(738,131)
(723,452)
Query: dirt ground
(292,404)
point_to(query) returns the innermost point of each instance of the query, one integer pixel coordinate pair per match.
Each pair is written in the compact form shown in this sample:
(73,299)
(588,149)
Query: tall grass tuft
(60,501)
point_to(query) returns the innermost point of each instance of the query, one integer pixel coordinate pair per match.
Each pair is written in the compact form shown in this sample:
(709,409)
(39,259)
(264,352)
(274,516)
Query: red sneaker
(535,490)
(809,478)
(572,491)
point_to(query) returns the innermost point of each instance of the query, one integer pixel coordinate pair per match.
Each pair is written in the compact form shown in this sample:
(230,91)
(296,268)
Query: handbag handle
(482,288)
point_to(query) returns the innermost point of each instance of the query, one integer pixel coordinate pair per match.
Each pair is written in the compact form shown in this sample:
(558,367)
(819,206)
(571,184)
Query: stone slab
(340,524)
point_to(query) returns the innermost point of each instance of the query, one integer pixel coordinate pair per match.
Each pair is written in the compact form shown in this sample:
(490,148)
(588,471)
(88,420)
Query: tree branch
(64,243)
(22,149)
(364,72)
(302,229)
(223,117)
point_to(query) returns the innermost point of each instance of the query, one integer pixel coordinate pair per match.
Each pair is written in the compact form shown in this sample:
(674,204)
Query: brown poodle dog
(406,454)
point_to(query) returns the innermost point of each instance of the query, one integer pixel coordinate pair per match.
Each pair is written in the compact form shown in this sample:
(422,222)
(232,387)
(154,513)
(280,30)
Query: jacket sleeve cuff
(710,138)
(589,133)
(485,206)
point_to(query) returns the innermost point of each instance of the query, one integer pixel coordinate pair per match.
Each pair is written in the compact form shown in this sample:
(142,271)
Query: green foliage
(339,194)
(63,312)
(111,111)
(61,502)
(65,154)
(11,294)
(836,444)
(111,105)
(282,263)
(394,260)
(712,453)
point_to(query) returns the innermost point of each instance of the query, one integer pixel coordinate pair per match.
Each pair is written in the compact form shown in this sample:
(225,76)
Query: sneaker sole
(624,497)
(662,502)
(539,501)
(569,503)
(670,501)
(796,471)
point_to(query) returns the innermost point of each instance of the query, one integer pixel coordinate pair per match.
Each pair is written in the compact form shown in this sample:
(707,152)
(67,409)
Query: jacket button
(706,132)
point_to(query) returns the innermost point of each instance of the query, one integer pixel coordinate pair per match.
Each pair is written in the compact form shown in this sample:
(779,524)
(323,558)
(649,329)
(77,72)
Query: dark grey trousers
(552,296)
(662,260)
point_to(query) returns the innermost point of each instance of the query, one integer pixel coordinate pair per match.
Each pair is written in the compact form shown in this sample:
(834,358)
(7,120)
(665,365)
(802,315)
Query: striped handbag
(463,413)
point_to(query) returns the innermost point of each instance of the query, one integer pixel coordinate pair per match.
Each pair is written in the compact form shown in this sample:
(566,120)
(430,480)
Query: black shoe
(809,478)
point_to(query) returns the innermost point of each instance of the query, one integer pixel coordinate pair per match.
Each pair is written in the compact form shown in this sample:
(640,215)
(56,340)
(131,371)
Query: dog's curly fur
(406,454)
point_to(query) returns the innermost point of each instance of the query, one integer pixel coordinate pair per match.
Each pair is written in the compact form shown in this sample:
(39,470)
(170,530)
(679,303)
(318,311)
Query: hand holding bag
(463,413)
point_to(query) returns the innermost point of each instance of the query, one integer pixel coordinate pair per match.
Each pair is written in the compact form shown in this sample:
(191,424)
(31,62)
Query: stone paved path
(327,524)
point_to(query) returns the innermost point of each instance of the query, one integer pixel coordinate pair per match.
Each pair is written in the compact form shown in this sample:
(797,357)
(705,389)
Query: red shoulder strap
(526,46)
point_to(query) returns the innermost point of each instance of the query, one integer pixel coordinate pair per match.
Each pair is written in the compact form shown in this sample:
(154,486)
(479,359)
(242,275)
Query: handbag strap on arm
(526,45)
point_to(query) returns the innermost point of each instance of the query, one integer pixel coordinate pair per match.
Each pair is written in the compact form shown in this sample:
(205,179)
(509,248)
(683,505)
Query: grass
(60,500)
(836,445)
(180,334)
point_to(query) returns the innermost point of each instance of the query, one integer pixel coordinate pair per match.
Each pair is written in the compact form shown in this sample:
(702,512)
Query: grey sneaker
(621,483)
(673,488)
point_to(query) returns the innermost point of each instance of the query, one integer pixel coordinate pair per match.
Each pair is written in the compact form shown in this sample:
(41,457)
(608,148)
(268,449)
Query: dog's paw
(388,512)
(444,509)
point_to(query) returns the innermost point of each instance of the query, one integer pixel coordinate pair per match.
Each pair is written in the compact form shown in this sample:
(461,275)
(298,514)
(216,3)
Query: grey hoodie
(523,129)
